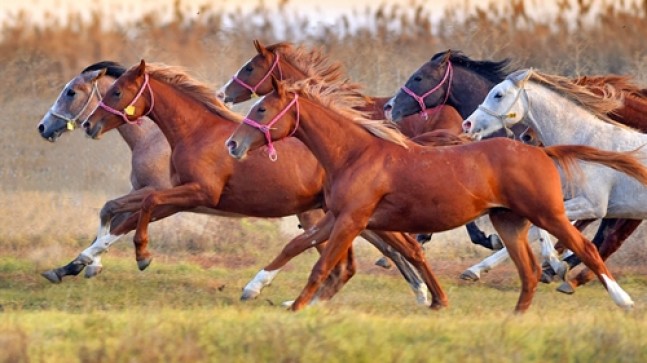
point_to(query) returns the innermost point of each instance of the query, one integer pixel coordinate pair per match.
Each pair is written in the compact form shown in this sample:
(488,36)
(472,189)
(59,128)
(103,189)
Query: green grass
(180,312)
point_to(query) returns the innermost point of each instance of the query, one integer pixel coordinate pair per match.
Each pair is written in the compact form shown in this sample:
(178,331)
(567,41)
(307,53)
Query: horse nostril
(41,128)
(231,144)
(85,125)
(467,126)
(220,95)
(388,107)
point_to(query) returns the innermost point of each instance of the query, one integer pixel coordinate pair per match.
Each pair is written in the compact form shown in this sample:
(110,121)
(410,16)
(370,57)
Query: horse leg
(176,199)
(473,273)
(492,242)
(612,240)
(378,239)
(385,262)
(513,229)
(586,251)
(312,236)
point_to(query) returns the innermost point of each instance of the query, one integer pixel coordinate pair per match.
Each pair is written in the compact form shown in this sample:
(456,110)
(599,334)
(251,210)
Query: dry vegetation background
(50,194)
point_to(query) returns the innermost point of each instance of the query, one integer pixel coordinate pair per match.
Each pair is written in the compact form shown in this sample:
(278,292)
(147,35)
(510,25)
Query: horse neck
(469,89)
(179,116)
(557,120)
(333,139)
(290,72)
(633,114)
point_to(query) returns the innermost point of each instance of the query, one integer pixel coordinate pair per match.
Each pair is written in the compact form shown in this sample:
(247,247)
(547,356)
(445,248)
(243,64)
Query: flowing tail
(626,162)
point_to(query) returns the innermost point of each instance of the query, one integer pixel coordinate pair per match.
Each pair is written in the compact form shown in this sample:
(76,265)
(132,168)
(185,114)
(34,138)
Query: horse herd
(315,146)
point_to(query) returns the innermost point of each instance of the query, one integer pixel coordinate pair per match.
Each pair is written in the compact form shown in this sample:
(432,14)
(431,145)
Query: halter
(265,129)
(507,114)
(70,122)
(275,64)
(449,73)
(130,109)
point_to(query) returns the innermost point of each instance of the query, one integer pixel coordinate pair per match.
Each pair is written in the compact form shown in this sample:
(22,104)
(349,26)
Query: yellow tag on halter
(511,115)
(254,95)
(70,125)
(130,110)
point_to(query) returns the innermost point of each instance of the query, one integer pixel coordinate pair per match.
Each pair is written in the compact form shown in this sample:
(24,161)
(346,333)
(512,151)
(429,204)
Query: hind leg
(573,239)
(513,229)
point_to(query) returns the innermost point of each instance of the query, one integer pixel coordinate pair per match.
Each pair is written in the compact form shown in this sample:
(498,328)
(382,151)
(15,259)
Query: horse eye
(498,95)
(261,109)
(249,68)
(70,93)
(417,78)
(117,93)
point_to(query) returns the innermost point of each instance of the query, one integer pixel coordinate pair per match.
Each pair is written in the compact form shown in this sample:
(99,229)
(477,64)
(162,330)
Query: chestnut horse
(196,124)
(287,62)
(381,180)
(470,81)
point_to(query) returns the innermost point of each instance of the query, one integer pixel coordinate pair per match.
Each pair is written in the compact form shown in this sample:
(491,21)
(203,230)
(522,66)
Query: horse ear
(142,68)
(278,87)
(447,56)
(519,77)
(92,76)
(259,47)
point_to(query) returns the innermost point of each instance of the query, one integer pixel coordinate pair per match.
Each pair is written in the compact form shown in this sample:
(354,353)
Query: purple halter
(130,109)
(449,72)
(253,89)
(265,129)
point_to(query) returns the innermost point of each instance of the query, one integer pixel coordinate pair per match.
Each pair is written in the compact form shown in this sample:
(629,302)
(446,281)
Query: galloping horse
(560,113)
(287,62)
(150,168)
(204,179)
(470,81)
(380,180)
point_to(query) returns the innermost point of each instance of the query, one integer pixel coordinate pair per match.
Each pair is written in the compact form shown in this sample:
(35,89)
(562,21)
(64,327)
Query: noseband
(449,73)
(71,122)
(130,109)
(253,89)
(266,128)
(507,114)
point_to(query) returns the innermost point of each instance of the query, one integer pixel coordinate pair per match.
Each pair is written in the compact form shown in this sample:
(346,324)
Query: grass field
(185,307)
(179,311)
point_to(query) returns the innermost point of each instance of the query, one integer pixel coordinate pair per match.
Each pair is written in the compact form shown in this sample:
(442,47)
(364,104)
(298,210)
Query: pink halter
(130,109)
(265,129)
(275,64)
(421,99)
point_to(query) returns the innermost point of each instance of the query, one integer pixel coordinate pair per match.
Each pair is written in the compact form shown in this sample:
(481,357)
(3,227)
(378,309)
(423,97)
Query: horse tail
(567,156)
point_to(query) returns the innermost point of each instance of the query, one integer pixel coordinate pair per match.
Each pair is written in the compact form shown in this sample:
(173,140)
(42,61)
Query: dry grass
(50,193)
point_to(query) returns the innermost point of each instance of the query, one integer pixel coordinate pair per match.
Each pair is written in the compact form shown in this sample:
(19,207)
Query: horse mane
(341,100)
(495,72)
(600,105)
(623,84)
(181,80)
(312,62)
(113,69)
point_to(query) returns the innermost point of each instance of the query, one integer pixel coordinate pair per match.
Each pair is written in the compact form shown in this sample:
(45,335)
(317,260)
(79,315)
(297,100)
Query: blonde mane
(181,80)
(600,105)
(337,98)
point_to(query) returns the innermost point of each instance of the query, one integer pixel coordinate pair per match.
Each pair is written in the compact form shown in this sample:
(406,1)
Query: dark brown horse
(196,125)
(290,63)
(470,82)
(380,180)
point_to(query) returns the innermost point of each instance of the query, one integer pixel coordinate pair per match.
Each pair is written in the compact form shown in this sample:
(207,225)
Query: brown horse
(294,63)
(196,124)
(380,180)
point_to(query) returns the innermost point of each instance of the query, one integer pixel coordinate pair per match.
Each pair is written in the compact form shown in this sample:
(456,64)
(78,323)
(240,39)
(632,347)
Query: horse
(205,179)
(540,101)
(285,61)
(381,180)
(150,151)
(452,78)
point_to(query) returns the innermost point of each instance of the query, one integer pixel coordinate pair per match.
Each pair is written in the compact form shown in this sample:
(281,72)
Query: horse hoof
(423,238)
(249,295)
(92,271)
(496,242)
(546,277)
(52,277)
(384,263)
(143,264)
(470,276)
(566,288)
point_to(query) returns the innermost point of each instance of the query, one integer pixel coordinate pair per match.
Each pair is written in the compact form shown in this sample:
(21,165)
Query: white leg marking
(421,294)
(490,262)
(549,253)
(100,246)
(262,279)
(619,296)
